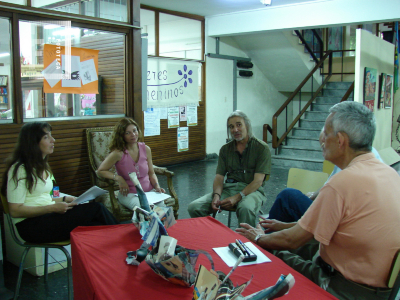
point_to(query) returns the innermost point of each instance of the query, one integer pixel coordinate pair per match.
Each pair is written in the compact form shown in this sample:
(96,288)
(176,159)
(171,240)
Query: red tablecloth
(100,271)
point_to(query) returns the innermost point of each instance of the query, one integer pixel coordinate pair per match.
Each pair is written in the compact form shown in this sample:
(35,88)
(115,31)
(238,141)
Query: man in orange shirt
(355,217)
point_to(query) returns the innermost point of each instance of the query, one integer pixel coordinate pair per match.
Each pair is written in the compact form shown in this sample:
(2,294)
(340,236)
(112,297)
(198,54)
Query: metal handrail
(276,142)
(320,42)
(310,51)
(349,91)
(342,64)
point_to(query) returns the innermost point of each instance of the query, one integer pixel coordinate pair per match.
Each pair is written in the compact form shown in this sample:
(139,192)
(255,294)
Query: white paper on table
(75,80)
(230,259)
(52,73)
(90,194)
(88,71)
(155,197)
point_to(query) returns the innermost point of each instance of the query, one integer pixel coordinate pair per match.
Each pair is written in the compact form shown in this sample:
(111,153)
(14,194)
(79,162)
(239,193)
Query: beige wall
(376,53)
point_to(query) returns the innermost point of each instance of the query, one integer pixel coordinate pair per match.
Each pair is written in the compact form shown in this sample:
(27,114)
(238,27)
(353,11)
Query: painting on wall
(388,91)
(382,86)
(335,40)
(369,87)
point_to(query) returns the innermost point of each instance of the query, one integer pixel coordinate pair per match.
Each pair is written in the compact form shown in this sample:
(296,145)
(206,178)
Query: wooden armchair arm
(169,175)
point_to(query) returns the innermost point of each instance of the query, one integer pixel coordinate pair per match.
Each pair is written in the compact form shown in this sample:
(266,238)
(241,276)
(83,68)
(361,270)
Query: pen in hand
(217,211)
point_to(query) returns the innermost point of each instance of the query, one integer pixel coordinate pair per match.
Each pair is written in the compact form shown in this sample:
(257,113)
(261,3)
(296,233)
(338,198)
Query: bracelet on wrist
(216,194)
(64,199)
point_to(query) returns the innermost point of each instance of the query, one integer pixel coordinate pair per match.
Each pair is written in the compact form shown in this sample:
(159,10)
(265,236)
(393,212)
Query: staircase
(302,149)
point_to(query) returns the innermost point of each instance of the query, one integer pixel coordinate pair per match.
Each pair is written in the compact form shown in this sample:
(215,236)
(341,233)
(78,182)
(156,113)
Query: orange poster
(82,65)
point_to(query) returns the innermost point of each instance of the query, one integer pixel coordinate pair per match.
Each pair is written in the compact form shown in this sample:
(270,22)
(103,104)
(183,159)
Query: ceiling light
(266,2)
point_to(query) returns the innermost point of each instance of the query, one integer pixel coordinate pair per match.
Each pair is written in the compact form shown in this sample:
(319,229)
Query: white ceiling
(216,7)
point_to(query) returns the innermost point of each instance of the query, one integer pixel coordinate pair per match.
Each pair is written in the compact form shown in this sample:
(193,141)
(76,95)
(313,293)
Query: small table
(100,271)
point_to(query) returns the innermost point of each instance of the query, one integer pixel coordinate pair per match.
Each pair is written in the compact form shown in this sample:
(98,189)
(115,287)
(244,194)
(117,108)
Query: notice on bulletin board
(151,122)
(182,110)
(163,112)
(173,117)
(183,139)
(76,73)
(191,115)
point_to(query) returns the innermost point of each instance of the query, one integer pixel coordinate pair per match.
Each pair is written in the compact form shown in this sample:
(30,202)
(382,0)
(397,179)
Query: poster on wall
(88,102)
(173,117)
(151,122)
(369,87)
(191,115)
(382,86)
(388,91)
(172,82)
(83,78)
(182,115)
(183,139)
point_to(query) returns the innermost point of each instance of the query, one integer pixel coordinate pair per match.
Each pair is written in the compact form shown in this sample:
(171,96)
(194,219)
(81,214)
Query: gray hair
(357,121)
(239,113)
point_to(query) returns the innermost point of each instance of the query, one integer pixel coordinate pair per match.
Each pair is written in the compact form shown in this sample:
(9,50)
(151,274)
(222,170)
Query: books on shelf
(3,100)
(3,90)
(3,80)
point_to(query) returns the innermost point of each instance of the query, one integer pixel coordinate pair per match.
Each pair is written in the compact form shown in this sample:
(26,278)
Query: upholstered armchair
(98,140)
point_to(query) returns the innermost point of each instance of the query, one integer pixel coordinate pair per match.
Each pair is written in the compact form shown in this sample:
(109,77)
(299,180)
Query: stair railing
(341,73)
(348,92)
(307,46)
(276,141)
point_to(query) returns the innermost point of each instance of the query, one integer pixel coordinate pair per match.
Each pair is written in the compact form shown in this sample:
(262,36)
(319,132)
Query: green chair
(28,246)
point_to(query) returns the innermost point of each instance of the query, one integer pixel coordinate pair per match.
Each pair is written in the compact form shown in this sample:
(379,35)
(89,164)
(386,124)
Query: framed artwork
(382,86)
(388,91)
(335,40)
(369,87)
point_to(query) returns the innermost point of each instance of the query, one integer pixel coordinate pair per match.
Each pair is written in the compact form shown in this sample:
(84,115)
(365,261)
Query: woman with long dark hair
(129,154)
(27,182)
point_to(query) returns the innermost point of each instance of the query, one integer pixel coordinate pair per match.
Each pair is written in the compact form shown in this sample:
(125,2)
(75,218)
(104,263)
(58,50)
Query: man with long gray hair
(355,217)
(246,162)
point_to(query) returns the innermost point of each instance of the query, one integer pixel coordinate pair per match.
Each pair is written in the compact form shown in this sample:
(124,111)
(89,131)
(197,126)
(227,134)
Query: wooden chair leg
(174,195)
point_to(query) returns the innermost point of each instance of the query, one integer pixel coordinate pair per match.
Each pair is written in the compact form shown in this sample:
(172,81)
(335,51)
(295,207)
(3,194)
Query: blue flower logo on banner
(185,76)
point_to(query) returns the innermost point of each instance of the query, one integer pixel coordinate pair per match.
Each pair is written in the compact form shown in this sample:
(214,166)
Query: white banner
(173,82)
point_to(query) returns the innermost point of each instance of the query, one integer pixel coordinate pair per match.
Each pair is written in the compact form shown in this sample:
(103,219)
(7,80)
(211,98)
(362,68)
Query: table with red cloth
(100,271)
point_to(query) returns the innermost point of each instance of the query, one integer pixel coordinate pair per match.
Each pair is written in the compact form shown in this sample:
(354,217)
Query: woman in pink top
(129,155)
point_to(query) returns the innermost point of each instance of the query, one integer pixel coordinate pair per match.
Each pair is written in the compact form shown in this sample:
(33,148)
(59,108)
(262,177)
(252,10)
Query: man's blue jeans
(289,206)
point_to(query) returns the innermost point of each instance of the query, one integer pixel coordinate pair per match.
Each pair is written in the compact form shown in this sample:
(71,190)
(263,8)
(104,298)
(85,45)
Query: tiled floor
(191,181)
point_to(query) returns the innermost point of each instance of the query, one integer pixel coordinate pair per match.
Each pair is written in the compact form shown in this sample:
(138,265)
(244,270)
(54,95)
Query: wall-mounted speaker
(244,64)
(244,73)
